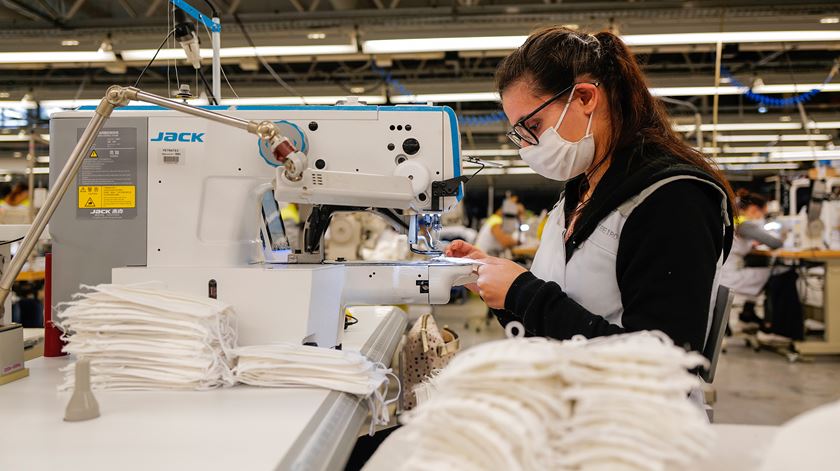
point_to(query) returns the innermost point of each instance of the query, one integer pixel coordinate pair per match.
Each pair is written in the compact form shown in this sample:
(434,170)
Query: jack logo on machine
(179,137)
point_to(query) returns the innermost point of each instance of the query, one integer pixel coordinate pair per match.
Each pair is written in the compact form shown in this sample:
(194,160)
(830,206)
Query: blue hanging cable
(469,120)
(767,100)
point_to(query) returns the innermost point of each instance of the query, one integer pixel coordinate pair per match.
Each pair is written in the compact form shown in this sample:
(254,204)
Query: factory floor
(759,388)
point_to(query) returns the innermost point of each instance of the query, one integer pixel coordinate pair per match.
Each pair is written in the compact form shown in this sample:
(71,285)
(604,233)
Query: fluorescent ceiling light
(234,52)
(39,170)
(739,160)
(824,125)
(655,91)
(774,137)
(44,159)
(446,97)
(476,43)
(491,43)
(14,137)
(738,127)
(763,149)
(805,156)
(746,167)
(693,91)
(489,152)
(22,104)
(55,56)
(69,104)
(311,100)
(830,20)
(731,37)
(729,90)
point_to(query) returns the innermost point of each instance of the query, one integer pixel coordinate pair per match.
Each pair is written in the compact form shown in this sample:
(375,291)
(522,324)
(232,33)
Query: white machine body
(206,184)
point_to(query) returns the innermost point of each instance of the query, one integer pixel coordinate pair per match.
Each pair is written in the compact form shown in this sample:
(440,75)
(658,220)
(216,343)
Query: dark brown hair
(747,198)
(553,58)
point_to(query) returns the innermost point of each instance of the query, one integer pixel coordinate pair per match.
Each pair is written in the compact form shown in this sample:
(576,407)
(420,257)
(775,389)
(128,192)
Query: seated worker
(742,277)
(644,224)
(499,230)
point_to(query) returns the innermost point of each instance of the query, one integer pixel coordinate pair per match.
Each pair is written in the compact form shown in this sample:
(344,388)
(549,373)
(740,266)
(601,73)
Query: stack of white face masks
(533,404)
(290,365)
(140,337)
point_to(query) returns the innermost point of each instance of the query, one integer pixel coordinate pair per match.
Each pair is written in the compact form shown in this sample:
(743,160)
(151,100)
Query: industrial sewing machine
(182,198)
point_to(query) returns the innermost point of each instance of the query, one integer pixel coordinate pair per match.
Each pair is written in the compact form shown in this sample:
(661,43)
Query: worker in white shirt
(500,231)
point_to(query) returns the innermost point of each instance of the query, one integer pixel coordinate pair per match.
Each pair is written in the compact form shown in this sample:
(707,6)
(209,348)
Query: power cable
(208,89)
(137,82)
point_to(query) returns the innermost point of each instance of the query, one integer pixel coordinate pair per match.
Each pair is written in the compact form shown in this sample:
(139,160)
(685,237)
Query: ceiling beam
(128,8)
(77,5)
(298,6)
(234,5)
(28,11)
(153,6)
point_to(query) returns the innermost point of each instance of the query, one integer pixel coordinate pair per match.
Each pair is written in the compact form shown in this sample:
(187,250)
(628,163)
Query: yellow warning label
(90,197)
(93,154)
(107,196)
(118,196)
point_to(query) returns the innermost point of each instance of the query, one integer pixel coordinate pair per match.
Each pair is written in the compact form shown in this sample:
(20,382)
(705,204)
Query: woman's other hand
(461,249)
(495,278)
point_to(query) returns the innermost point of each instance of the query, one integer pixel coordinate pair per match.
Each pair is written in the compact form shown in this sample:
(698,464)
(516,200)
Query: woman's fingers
(459,248)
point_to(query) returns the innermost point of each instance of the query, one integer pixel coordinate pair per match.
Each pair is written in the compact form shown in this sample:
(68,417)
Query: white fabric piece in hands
(456,260)
(616,402)
(142,337)
(292,365)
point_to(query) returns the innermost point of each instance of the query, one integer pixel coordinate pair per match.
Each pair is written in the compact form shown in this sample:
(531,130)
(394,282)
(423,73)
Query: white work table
(738,447)
(232,428)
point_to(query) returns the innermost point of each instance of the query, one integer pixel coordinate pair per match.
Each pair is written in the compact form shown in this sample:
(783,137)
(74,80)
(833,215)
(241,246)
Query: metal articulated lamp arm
(281,148)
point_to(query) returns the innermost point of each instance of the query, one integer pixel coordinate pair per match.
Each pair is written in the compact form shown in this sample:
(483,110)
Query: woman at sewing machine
(644,225)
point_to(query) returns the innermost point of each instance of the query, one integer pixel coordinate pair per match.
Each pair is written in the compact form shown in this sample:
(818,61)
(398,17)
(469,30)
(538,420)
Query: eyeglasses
(520,133)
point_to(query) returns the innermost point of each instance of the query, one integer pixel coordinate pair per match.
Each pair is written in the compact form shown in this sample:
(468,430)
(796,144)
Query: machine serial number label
(93,197)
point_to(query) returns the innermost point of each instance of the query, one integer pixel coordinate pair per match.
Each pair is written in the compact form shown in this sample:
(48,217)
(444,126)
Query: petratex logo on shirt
(179,137)
(608,232)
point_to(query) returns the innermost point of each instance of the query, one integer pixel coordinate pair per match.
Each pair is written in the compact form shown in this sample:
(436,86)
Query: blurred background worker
(14,206)
(18,196)
(737,273)
(747,276)
(500,231)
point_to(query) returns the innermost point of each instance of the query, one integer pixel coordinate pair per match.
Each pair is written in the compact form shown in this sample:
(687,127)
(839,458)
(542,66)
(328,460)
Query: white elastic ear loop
(566,108)
(563,114)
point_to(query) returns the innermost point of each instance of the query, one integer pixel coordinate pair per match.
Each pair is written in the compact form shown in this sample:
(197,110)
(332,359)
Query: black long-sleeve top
(665,267)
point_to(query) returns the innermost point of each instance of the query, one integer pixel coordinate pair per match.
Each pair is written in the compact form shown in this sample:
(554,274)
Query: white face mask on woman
(556,158)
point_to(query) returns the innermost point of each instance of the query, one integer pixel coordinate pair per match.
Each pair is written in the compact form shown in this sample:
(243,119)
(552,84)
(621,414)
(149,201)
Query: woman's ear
(588,95)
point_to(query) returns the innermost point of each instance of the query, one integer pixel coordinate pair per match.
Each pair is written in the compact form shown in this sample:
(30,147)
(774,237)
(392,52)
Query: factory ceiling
(331,48)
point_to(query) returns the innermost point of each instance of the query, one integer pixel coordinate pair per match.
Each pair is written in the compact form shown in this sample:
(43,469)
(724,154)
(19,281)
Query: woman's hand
(495,278)
(459,248)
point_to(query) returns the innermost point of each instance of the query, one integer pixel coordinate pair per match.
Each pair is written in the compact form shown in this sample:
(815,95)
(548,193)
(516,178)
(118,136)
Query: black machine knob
(411,146)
